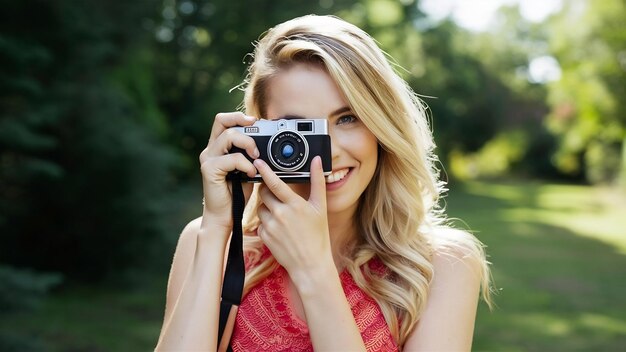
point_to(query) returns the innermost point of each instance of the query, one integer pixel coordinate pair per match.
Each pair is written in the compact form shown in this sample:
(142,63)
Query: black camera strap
(234,275)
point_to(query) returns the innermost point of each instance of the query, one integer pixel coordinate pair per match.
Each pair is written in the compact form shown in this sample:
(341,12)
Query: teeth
(337,175)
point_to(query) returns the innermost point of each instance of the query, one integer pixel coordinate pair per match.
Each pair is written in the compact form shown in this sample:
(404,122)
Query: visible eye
(346,119)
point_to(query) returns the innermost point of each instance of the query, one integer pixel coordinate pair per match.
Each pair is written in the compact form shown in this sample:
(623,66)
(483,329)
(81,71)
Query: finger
(318,184)
(225,142)
(268,198)
(264,214)
(274,183)
(223,121)
(260,231)
(264,235)
(221,166)
(266,222)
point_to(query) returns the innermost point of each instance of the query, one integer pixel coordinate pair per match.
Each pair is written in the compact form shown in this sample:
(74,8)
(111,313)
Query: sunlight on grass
(544,324)
(558,254)
(604,323)
(585,211)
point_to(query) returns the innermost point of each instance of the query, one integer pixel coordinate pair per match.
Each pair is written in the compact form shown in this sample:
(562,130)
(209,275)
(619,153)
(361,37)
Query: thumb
(318,184)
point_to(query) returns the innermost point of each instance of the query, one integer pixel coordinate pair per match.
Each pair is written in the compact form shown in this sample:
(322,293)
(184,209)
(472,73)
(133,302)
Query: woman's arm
(328,314)
(192,309)
(296,232)
(193,293)
(447,323)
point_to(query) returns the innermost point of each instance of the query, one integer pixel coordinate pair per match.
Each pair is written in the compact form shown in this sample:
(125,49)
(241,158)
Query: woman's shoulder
(192,227)
(459,269)
(451,246)
(187,239)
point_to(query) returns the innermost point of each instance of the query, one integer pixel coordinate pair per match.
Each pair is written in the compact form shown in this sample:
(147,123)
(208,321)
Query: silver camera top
(287,145)
(270,127)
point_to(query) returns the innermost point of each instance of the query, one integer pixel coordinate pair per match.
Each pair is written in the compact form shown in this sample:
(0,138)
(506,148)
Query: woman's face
(307,91)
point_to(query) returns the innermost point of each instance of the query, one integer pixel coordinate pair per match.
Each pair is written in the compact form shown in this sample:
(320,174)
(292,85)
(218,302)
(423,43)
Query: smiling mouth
(337,175)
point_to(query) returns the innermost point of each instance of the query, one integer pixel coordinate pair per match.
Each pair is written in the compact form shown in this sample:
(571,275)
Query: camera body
(288,146)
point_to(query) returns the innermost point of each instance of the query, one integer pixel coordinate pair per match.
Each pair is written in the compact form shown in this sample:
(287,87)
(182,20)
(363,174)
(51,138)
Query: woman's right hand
(216,163)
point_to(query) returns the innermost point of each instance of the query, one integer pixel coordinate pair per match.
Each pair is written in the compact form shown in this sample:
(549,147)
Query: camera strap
(234,275)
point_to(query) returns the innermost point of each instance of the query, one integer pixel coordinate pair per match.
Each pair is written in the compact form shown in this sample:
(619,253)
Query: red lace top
(266,322)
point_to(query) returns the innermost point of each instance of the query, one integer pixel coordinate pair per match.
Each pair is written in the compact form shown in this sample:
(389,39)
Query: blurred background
(106,105)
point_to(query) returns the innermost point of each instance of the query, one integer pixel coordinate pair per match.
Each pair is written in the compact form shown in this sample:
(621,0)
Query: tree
(588,110)
(82,182)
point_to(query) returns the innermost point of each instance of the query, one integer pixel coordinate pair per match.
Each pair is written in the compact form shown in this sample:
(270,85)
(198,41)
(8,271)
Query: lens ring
(298,142)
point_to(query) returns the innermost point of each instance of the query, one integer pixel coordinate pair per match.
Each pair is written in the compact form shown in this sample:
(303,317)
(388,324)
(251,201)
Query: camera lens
(288,150)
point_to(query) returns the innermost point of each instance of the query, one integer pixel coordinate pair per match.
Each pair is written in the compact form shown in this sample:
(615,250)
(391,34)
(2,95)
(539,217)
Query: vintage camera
(288,146)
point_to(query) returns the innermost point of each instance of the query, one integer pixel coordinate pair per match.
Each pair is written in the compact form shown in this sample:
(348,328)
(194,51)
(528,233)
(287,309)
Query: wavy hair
(398,219)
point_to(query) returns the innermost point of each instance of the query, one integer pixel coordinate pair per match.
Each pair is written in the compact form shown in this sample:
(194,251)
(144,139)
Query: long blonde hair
(397,215)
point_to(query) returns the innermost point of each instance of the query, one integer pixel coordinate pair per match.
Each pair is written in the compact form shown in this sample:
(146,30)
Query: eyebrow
(290,117)
(341,110)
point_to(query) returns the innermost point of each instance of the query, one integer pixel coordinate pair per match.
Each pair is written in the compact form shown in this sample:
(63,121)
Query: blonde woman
(359,260)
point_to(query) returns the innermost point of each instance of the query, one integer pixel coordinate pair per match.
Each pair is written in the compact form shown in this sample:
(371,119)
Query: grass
(559,263)
(95,319)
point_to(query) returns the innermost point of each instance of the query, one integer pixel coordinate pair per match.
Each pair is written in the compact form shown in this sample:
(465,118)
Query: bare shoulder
(184,253)
(186,247)
(447,322)
(183,256)
(453,248)
(190,230)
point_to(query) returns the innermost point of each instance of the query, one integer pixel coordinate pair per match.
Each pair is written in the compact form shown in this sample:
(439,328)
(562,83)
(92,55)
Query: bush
(22,290)
(83,182)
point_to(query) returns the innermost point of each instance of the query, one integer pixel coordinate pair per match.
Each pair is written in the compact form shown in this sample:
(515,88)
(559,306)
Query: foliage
(520,143)
(494,159)
(588,110)
(82,179)
(22,291)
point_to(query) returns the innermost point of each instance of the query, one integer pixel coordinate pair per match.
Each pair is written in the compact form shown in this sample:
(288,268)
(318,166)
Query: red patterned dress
(266,322)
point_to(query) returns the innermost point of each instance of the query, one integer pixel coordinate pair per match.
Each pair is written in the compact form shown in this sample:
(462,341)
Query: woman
(359,260)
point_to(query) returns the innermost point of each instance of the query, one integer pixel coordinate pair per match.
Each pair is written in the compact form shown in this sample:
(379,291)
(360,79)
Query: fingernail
(319,162)
(256,153)
(258,163)
(251,118)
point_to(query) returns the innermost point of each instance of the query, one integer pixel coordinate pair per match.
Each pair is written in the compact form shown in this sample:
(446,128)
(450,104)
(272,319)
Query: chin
(340,205)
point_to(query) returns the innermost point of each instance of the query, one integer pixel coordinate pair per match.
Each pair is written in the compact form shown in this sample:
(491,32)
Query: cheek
(365,145)
(368,153)
(369,165)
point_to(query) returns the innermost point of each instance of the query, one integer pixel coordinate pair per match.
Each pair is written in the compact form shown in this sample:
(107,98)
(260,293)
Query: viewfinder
(305,126)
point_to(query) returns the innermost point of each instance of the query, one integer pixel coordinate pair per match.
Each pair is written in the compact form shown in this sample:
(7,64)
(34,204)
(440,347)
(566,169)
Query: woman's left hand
(293,228)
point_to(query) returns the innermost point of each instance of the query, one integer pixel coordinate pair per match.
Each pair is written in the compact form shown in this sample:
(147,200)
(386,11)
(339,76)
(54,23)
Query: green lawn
(95,319)
(559,262)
